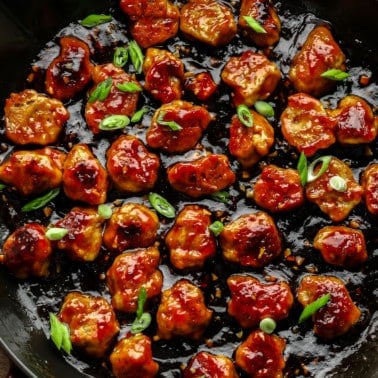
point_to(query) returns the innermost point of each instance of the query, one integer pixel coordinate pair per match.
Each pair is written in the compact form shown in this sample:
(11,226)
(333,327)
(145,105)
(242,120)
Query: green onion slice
(264,108)
(60,334)
(216,227)
(324,160)
(267,325)
(221,196)
(302,168)
(138,115)
(56,233)
(244,115)
(105,211)
(2,186)
(95,19)
(174,126)
(114,122)
(254,25)
(102,90)
(120,57)
(129,87)
(338,183)
(142,299)
(335,74)
(39,202)
(136,56)
(161,205)
(140,324)
(313,307)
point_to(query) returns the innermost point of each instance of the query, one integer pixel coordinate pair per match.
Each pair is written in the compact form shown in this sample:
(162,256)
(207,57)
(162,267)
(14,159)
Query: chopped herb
(136,56)
(338,183)
(95,19)
(105,211)
(174,126)
(216,227)
(161,205)
(114,122)
(138,115)
(120,57)
(302,168)
(221,196)
(39,202)
(2,186)
(311,308)
(56,233)
(324,160)
(268,325)
(143,319)
(244,115)
(255,25)
(129,87)
(264,108)
(102,90)
(335,74)
(60,334)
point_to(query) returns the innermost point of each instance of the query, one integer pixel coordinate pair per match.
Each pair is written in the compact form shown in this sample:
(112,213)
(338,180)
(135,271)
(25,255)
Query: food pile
(197,190)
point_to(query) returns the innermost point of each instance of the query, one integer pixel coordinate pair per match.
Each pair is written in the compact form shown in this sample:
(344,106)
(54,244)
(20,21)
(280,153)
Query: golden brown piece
(252,300)
(132,358)
(356,122)
(341,245)
(250,144)
(208,21)
(204,176)
(33,172)
(33,118)
(131,166)
(251,240)
(164,75)
(264,13)
(84,238)
(205,364)
(182,312)
(130,272)
(27,251)
(306,125)
(131,226)
(369,182)
(339,314)
(261,355)
(117,102)
(319,53)
(252,77)
(337,204)
(190,241)
(192,119)
(278,189)
(91,321)
(84,178)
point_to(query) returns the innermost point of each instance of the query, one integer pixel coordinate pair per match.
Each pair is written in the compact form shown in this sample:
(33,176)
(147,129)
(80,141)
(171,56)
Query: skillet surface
(24,30)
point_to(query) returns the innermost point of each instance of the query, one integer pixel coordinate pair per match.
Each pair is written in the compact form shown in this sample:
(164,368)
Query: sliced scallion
(173,125)
(143,319)
(338,183)
(136,56)
(120,57)
(254,25)
(114,122)
(216,227)
(324,160)
(104,211)
(313,307)
(267,325)
(95,19)
(129,87)
(244,115)
(56,233)
(39,202)
(102,90)
(2,186)
(60,334)
(335,74)
(138,115)
(221,196)
(302,168)
(161,205)
(264,108)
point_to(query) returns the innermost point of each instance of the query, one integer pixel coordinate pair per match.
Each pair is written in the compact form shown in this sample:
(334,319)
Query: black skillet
(25,27)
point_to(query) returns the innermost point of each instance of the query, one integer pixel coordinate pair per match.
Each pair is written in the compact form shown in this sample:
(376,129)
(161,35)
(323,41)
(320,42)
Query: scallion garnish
(335,74)
(56,233)
(254,25)
(138,115)
(324,160)
(161,205)
(60,334)
(2,186)
(267,325)
(104,211)
(216,227)
(338,183)
(102,90)
(95,19)
(39,202)
(302,168)
(136,56)
(120,57)
(313,307)
(143,319)
(129,87)
(114,122)
(221,196)
(174,126)
(244,115)
(264,108)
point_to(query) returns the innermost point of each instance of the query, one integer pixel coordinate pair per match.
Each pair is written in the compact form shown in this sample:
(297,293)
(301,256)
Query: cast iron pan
(25,28)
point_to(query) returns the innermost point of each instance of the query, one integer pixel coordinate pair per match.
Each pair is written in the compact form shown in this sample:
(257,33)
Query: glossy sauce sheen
(305,354)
